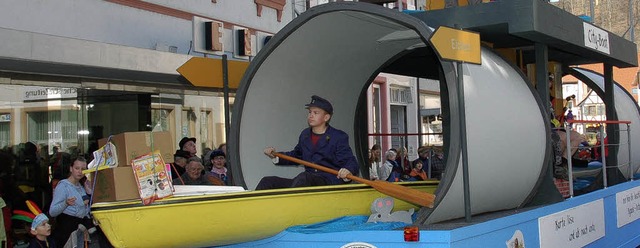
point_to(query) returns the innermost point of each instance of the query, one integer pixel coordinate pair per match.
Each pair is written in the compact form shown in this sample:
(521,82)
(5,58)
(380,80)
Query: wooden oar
(394,190)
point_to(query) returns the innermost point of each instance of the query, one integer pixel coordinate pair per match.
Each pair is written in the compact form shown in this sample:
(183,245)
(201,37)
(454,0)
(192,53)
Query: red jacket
(597,148)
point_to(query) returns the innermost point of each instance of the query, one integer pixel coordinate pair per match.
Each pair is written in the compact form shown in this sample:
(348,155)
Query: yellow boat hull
(210,220)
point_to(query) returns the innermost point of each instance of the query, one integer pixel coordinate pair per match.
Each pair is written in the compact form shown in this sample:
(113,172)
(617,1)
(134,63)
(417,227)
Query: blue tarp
(346,223)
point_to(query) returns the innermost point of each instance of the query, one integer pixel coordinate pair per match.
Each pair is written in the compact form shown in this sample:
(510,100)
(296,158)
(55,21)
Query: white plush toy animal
(381,212)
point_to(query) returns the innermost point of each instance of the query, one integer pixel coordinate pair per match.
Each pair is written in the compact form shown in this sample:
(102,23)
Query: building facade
(73,72)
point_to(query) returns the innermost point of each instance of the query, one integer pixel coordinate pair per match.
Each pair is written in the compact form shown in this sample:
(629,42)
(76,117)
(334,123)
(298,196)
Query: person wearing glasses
(193,174)
(218,169)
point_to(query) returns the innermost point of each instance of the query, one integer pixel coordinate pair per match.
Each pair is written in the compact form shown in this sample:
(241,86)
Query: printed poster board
(152,178)
(104,158)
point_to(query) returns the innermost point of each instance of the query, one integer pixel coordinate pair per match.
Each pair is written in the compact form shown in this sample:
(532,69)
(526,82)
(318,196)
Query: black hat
(181,154)
(320,102)
(216,153)
(185,140)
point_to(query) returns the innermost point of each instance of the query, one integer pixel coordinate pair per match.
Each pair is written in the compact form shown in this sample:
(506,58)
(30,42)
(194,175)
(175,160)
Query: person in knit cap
(218,169)
(41,231)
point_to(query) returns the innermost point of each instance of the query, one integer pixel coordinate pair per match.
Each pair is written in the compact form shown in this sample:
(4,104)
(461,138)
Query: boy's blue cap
(38,220)
(320,102)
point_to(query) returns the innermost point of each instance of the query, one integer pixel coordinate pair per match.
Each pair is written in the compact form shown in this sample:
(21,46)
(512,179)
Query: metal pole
(429,162)
(603,157)
(629,148)
(593,12)
(225,86)
(403,146)
(463,150)
(632,37)
(419,116)
(569,162)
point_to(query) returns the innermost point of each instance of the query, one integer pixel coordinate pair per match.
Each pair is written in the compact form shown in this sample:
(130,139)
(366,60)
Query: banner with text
(628,206)
(596,38)
(34,93)
(574,227)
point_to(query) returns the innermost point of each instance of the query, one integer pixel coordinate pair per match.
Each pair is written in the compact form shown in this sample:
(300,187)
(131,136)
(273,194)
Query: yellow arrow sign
(207,72)
(458,45)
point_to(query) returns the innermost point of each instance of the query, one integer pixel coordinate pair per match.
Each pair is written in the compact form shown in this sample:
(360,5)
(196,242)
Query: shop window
(53,128)
(77,118)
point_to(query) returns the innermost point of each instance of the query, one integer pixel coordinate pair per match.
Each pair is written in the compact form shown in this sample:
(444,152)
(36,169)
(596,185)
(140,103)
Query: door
(398,120)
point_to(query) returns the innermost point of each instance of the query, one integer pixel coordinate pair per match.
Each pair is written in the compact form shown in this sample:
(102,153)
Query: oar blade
(404,193)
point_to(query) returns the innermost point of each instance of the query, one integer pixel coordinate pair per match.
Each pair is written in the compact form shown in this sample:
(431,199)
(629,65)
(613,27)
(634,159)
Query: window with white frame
(5,131)
(206,129)
(189,119)
(401,95)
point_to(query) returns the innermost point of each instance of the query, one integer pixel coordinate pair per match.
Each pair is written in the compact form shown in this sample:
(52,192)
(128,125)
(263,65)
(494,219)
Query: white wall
(240,12)
(106,22)
(103,34)
(411,110)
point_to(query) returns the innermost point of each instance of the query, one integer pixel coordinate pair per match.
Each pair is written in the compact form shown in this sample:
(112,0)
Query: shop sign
(5,118)
(596,38)
(31,93)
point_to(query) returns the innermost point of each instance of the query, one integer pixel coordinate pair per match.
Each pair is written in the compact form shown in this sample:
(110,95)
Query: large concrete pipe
(626,110)
(336,50)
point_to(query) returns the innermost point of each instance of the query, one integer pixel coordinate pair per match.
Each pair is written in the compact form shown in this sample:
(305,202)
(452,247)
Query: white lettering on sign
(575,227)
(628,206)
(31,93)
(596,38)
(460,46)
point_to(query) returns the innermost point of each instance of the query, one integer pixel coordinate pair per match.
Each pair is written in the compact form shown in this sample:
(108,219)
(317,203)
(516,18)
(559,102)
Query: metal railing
(603,149)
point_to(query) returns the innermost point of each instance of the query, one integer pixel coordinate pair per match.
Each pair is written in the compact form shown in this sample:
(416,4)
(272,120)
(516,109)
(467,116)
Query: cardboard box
(131,145)
(115,184)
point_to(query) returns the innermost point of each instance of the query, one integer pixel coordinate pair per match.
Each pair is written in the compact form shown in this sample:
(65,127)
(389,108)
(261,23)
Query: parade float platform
(604,218)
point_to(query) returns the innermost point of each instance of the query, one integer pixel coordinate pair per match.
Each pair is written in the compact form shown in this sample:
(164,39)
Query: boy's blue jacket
(332,151)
